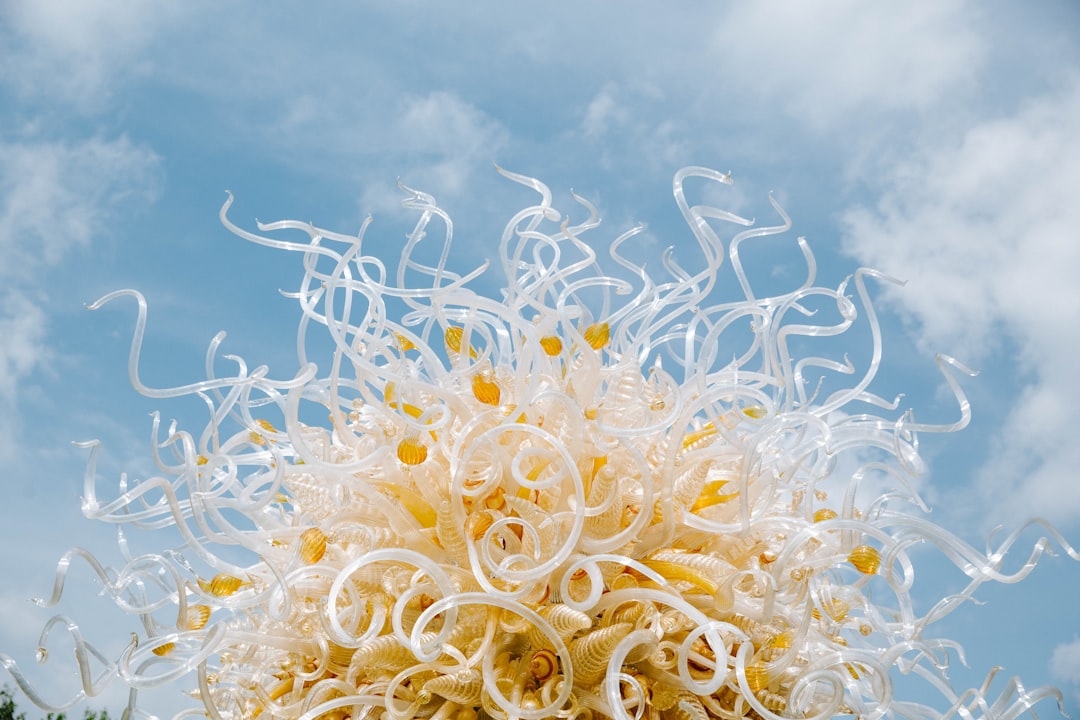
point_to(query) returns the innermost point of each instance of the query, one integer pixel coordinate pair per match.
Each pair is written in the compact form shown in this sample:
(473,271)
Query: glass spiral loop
(594,496)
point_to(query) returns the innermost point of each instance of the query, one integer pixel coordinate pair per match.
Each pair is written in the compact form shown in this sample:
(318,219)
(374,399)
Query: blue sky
(936,141)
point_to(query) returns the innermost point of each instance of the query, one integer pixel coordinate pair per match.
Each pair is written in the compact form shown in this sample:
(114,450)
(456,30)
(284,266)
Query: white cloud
(825,61)
(72,50)
(447,142)
(55,196)
(620,122)
(1065,665)
(986,232)
(603,112)
(22,327)
(444,123)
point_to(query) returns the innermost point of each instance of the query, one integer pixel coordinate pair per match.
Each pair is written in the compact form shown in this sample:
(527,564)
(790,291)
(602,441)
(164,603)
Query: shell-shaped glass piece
(411,451)
(590,653)
(606,473)
(866,559)
(454,337)
(565,620)
(463,687)
(163,649)
(312,545)
(552,344)
(223,585)
(197,617)
(386,653)
(597,335)
(485,389)
(543,664)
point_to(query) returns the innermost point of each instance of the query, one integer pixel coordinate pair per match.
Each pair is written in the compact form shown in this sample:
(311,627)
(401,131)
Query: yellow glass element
(677,571)
(201,460)
(837,610)
(693,437)
(866,559)
(256,438)
(496,500)
(824,514)
(411,451)
(757,677)
(283,687)
(164,649)
(410,410)
(404,343)
(454,337)
(597,335)
(551,344)
(265,425)
(413,501)
(312,545)
(485,390)
(709,496)
(782,641)
(222,585)
(536,469)
(476,524)
(754,411)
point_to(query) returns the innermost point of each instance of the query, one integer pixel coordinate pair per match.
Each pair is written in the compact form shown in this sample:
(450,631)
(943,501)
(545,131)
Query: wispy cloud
(1065,666)
(985,231)
(22,326)
(57,195)
(74,51)
(825,62)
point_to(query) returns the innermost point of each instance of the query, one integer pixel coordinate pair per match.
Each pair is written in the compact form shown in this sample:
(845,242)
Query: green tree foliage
(9,711)
(7,707)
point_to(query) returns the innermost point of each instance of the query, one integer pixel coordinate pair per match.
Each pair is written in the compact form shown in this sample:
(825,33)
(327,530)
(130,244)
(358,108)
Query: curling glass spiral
(594,496)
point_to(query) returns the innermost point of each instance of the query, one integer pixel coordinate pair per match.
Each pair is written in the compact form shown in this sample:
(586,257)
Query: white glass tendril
(595,496)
